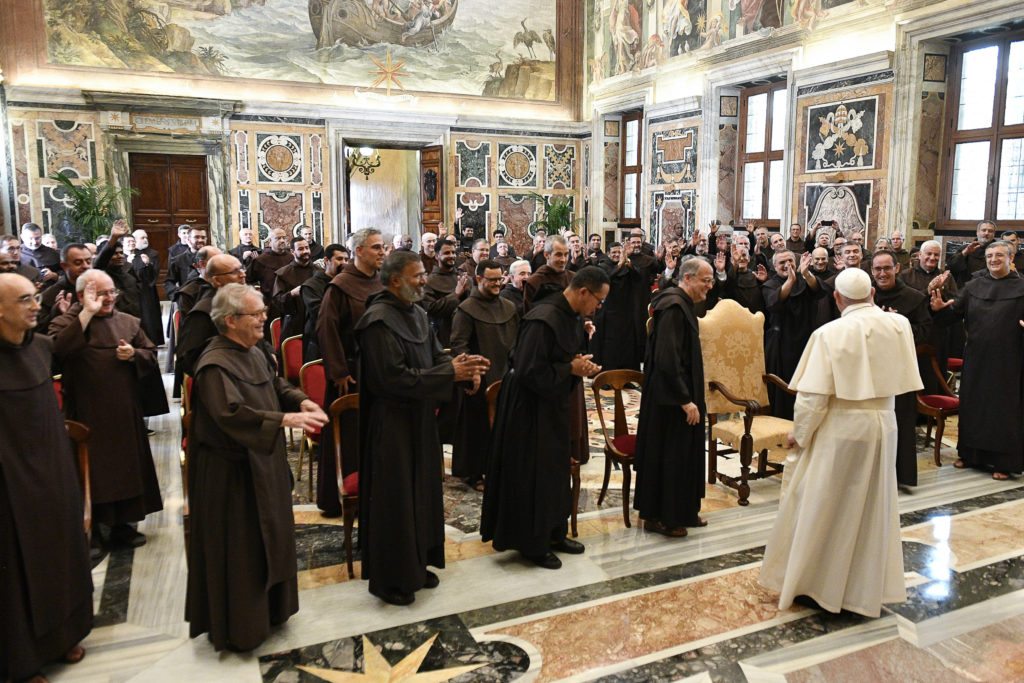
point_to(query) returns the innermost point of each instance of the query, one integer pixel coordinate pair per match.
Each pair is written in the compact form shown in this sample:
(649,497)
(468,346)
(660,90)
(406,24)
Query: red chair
(58,389)
(936,407)
(79,433)
(291,358)
(620,446)
(313,382)
(275,334)
(954,366)
(348,487)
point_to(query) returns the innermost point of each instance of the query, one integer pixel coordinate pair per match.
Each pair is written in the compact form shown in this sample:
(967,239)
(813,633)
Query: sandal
(959,464)
(659,527)
(74,655)
(700,522)
(1000,476)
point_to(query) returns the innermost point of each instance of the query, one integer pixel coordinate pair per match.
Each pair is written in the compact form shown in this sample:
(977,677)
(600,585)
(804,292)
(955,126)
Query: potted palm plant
(94,207)
(556,215)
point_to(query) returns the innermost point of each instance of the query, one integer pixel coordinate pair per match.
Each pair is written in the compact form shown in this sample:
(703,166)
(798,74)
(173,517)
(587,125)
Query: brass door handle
(191,220)
(152,220)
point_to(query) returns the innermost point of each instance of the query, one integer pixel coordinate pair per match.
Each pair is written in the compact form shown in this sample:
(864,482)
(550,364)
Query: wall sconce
(364,160)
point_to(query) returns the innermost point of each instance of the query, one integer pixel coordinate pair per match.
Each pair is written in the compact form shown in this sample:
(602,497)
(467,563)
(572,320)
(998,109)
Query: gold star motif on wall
(376,668)
(839,149)
(388,73)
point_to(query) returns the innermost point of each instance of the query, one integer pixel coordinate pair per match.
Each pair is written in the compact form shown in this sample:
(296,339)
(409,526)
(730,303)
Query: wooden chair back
(337,409)
(732,347)
(58,389)
(617,380)
(79,433)
(928,352)
(492,399)
(275,333)
(291,358)
(186,394)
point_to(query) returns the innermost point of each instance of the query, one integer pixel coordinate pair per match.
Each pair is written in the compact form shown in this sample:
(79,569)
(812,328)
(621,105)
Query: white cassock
(837,534)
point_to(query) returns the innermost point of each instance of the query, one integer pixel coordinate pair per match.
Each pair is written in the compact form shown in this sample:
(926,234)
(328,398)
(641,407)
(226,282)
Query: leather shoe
(431,581)
(393,596)
(547,560)
(658,527)
(74,655)
(125,535)
(567,545)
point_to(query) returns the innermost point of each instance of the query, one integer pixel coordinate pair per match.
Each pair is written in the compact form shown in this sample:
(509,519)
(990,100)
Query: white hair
(516,265)
(930,244)
(87,277)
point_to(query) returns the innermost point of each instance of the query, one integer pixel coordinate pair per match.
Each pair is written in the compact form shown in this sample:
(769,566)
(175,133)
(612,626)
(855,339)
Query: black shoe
(548,560)
(567,545)
(149,432)
(393,596)
(431,581)
(807,601)
(125,535)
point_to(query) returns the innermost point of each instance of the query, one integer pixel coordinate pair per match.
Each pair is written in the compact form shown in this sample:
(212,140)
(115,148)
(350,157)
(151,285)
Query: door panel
(432,187)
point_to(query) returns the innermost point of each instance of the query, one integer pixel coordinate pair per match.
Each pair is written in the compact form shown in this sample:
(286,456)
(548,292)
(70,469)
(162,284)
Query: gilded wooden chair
(732,347)
(290,354)
(348,486)
(79,433)
(936,407)
(619,445)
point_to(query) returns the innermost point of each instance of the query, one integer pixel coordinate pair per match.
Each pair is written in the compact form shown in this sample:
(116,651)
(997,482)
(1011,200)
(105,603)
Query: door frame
(120,146)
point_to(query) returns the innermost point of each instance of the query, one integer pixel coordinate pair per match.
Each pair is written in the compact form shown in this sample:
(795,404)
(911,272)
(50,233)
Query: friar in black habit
(526,496)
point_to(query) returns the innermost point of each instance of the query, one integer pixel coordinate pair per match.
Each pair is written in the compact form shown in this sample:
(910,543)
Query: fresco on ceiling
(458,47)
(632,35)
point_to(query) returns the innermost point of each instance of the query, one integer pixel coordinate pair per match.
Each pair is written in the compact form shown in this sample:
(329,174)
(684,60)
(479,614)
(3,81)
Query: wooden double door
(172,191)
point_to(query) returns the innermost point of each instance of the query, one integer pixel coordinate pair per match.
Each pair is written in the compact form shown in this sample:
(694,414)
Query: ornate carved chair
(79,433)
(732,346)
(936,407)
(620,445)
(348,486)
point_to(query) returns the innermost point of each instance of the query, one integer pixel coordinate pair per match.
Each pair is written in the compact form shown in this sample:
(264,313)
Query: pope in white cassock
(836,538)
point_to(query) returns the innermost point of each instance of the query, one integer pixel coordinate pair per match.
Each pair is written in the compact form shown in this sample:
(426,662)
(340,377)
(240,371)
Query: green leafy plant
(556,215)
(94,204)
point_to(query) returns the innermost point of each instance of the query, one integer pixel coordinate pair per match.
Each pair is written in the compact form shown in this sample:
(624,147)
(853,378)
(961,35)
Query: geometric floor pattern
(634,607)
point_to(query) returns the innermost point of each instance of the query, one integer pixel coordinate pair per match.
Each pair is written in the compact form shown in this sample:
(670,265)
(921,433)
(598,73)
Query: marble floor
(635,607)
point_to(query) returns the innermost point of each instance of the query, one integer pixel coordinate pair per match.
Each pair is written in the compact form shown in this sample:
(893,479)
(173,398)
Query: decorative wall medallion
(559,166)
(241,142)
(67,147)
(729,105)
(473,163)
(674,156)
(279,158)
(842,135)
(517,165)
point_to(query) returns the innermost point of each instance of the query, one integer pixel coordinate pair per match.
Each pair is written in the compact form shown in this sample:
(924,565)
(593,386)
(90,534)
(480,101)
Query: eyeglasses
(262,313)
(28,299)
(494,280)
(112,293)
(230,272)
(600,302)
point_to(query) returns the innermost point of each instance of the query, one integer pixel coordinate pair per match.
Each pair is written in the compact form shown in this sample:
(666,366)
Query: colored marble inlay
(516,213)
(281,210)
(476,211)
(559,167)
(620,630)
(517,165)
(19,145)
(65,147)
(611,181)
(316,176)
(473,162)
(973,538)
(241,142)
(279,158)
(674,156)
(673,214)
(727,138)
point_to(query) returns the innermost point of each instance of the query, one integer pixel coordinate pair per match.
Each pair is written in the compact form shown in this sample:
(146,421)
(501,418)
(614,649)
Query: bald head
(224,269)
(19,309)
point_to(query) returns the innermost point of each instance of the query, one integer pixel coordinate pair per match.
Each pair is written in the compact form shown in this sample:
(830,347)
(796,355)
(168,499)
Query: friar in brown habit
(341,308)
(45,583)
(103,353)
(287,299)
(484,324)
(241,569)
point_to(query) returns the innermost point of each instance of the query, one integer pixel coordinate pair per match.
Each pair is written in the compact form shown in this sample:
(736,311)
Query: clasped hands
(470,368)
(583,366)
(310,418)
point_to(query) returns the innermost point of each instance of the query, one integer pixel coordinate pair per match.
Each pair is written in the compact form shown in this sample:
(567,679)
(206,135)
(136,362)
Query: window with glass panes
(983,169)
(632,168)
(762,140)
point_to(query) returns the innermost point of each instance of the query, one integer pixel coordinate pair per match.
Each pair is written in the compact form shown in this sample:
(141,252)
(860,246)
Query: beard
(411,293)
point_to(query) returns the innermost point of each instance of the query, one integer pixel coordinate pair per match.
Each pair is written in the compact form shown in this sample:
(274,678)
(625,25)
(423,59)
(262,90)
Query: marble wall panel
(281,209)
(841,134)
(473,163)
(674,155)
(672,214)
(611,181)
(515,214)
(517,165)
(727,150)
(926,200)
(54,200)
(476,212)
(22,189)
(809,110)
(66,146)
(559,167)
(671,198)
(279,158)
